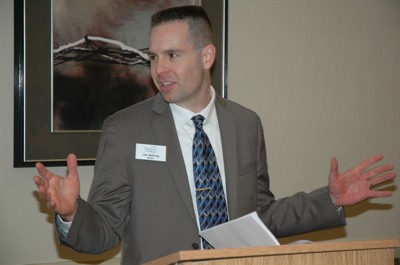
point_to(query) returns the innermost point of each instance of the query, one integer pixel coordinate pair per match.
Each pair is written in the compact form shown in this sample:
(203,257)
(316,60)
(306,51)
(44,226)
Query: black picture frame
(33,139)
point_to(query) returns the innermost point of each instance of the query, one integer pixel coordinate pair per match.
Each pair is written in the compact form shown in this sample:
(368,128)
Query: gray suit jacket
(147,204)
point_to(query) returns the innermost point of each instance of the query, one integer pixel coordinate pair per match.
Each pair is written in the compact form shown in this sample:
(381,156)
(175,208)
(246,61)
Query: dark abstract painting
(99,59)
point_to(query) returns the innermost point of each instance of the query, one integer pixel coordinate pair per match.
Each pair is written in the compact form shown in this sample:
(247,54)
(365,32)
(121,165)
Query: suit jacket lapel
(165,132)
(227,128)
(164,129)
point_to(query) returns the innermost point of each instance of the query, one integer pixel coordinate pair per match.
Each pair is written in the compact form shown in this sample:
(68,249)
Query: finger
(42,192)
(43,172)
(38,181)
(383,178)
(50,205)
(378,170)
(369,161)
(41,185)
(379,193)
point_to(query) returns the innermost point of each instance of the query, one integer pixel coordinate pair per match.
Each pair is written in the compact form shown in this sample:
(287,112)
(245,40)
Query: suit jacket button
(195,246)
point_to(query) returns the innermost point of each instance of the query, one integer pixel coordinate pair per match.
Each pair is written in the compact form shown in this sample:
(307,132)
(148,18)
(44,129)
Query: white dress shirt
(185,129)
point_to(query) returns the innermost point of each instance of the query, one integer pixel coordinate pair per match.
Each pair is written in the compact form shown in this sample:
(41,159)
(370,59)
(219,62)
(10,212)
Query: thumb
(72,164)
(334,167)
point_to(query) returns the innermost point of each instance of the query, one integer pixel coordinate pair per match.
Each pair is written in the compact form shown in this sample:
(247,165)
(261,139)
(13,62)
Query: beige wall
(324,77)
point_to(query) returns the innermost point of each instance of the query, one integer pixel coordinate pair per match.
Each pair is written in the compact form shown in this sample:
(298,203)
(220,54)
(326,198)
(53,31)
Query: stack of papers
(246,231)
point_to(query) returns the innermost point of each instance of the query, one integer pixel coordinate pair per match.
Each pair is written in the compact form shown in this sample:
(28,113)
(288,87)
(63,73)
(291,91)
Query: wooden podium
(375,252)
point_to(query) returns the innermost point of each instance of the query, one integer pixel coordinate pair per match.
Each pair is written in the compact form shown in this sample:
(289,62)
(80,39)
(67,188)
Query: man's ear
(208,56)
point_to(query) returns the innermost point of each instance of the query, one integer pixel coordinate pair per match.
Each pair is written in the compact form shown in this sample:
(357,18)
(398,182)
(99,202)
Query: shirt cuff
(62,227)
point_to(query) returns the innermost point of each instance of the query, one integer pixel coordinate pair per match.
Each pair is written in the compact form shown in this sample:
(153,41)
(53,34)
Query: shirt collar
(183,116)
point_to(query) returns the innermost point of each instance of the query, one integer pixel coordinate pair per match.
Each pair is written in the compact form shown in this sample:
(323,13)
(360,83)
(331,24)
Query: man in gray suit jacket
(142,194)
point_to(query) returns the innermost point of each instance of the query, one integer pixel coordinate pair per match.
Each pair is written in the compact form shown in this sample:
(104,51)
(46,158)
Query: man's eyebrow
(165,51)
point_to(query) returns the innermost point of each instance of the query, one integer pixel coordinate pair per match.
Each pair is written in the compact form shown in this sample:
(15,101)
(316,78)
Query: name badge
(151,152)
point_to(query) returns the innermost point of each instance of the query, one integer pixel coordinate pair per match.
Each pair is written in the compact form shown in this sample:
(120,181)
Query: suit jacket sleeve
(99,223)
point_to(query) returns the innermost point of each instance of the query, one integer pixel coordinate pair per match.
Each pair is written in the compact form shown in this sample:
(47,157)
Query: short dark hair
(199,23)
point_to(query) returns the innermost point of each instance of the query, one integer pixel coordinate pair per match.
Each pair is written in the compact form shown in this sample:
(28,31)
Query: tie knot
(198,120)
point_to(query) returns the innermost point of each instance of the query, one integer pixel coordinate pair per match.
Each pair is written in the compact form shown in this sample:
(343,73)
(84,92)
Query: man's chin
(167,98)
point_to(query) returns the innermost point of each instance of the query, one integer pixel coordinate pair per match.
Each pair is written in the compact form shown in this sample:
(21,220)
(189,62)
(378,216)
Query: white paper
(246,231)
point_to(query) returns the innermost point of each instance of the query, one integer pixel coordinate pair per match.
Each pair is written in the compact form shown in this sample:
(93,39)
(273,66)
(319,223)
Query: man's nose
(160,66)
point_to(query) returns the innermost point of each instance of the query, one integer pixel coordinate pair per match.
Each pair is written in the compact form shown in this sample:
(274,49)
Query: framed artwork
(76,62)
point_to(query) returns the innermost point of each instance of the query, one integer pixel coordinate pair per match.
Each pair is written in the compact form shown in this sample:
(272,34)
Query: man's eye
(152,57)
(173,55)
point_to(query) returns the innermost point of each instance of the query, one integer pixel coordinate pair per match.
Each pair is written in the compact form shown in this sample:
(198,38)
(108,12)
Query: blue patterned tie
(210,198)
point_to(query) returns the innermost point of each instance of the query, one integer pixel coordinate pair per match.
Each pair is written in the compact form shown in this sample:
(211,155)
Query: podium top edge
(198,255)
